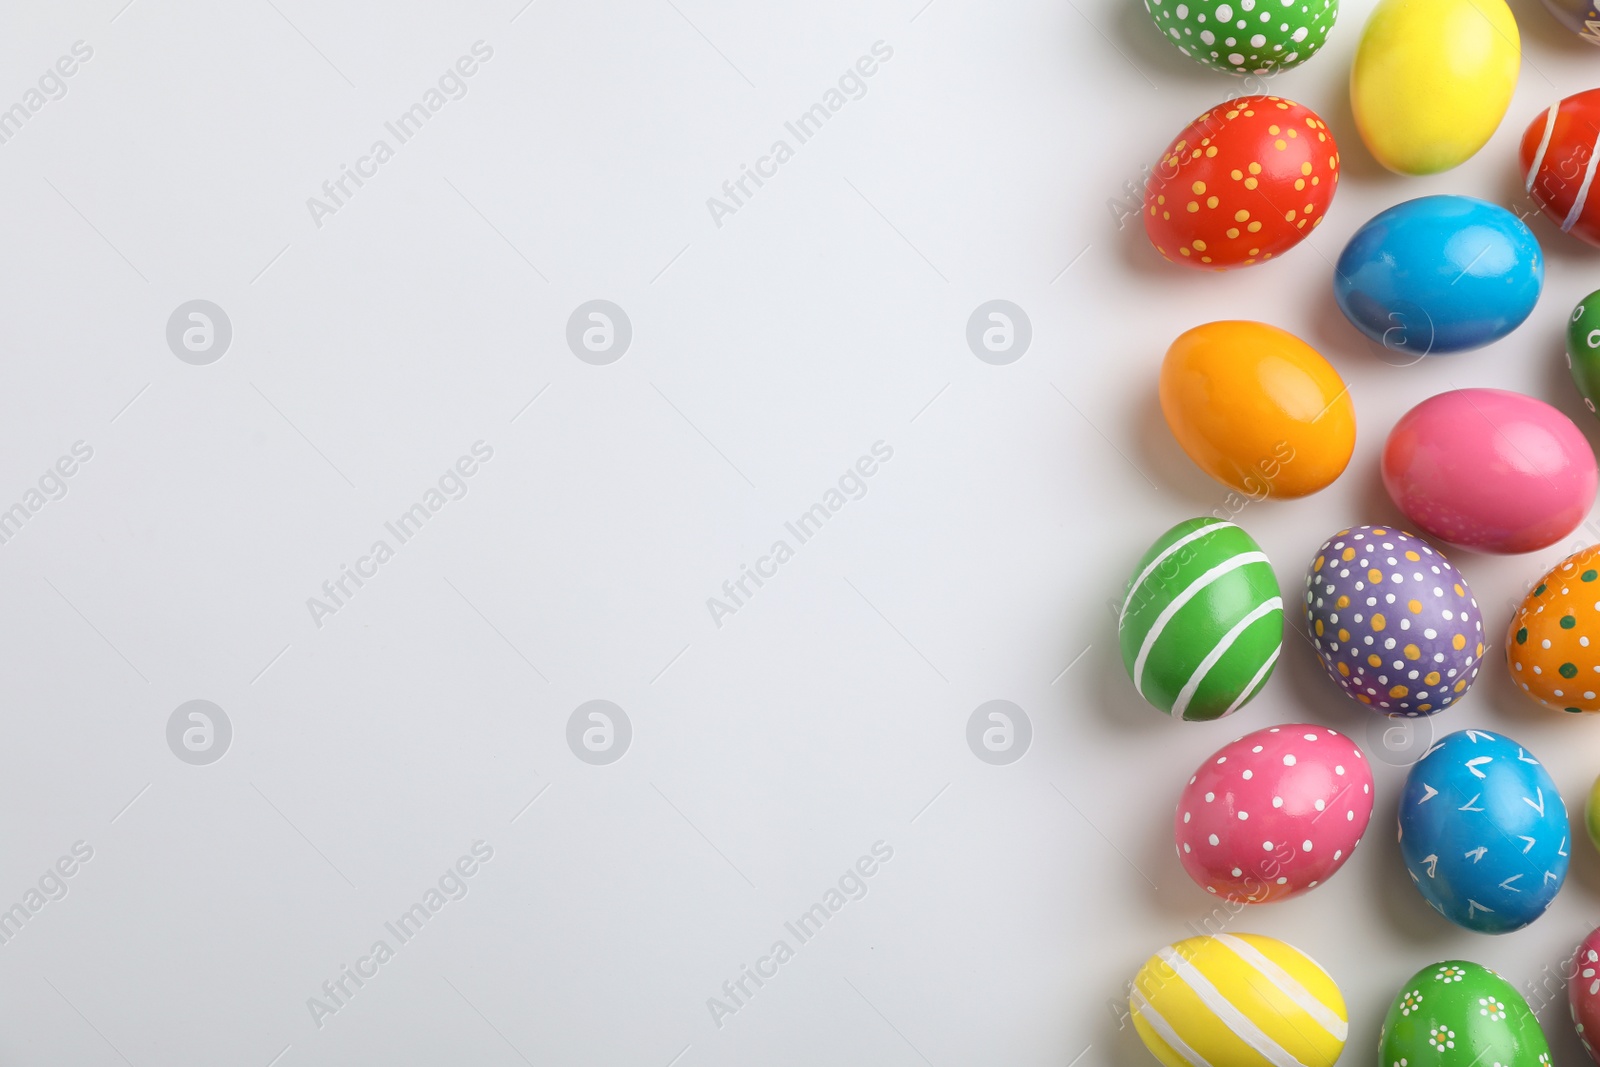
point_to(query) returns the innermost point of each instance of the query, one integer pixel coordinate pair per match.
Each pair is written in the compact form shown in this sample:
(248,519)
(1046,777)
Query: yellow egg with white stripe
(1238,1000)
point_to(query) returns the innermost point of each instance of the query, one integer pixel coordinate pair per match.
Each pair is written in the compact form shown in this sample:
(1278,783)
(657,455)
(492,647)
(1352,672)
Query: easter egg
(1242,183)
(1553,642)
(1257,408)
(1582,17)
(1274,813)
(1483,832)
(1490,470)
(1583,349)
(1555,152)
(1583,993)
(1238,38)
(1432,80)
(1460,1014)
(1439,274)
(1237,1000)
(1591,814)
(1395,625)
(1202,623)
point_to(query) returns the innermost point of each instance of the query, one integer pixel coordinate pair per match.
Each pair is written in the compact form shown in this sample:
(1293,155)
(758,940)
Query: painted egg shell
(1235,38)
(1237,1000)
(1439,274)
(1582,17)
(1394,623)
(1583,349)
(1432,80)
(1273,814)
(1583,993)
(1258,409)
(1202,623)
(1242,183)
(1483,832)
(1591,814)
(1554,153)
(1460,1014)
(1553,642)
(1490,470)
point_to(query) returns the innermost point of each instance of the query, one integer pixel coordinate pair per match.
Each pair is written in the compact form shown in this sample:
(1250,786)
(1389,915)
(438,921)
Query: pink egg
(1490,470)
(1274,814)
(1583,993)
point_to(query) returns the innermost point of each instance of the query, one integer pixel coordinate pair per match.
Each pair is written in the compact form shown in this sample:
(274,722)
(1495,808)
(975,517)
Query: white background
(768,355)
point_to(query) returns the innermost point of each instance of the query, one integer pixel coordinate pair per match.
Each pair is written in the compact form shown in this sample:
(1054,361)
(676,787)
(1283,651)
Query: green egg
(1591,814)
(1245,36)
(1460,1014)
(1583,348)
(1202,620)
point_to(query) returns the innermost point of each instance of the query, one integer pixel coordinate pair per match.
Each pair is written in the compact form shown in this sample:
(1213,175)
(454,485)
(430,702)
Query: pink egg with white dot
(1274,813)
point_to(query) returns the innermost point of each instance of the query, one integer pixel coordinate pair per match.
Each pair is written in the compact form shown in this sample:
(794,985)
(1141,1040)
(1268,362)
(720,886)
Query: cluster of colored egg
(1482,826)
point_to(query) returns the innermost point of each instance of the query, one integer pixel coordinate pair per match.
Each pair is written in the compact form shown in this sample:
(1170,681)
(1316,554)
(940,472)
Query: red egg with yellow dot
(1242,184)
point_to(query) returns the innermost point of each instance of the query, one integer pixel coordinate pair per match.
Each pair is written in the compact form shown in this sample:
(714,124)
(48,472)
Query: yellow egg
(1238,1000)
(1432,79)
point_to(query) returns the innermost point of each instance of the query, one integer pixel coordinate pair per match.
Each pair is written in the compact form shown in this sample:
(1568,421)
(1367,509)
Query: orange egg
(1553,642)
(1258,409)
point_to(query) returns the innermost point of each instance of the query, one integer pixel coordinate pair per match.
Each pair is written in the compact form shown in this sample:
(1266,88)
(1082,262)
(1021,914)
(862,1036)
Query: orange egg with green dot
(1553,642)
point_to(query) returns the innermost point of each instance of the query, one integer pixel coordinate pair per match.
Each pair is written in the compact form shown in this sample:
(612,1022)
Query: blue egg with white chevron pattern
(1483,832)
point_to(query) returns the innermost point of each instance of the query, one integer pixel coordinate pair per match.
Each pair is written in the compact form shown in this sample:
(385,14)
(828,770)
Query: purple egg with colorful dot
(1393,622)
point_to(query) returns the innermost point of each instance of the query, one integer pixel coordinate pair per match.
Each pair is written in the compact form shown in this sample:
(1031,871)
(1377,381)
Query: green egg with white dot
(1245,36)
(1583,350)
(1460,1014)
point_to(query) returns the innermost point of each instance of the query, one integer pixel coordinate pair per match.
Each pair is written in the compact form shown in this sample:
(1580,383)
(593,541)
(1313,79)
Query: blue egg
(1483,832)
(1439,274)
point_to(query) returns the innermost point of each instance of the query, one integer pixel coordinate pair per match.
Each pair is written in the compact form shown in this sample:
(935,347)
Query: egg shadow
(1535,23)
(1158,60)
(1399,903)
(1165,460)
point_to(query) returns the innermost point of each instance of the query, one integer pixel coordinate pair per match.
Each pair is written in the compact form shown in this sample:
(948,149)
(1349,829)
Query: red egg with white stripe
(1559,152)
(1273,814)
(1244,182)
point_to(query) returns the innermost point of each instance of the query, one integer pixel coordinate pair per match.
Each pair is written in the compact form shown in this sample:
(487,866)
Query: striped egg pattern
(1559,152)
(1202,621)
(1395,625)
(1239,1000)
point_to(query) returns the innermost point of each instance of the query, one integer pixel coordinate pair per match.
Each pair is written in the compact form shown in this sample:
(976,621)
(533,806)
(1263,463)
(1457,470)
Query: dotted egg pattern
(1246,36)
(1395,625)
(1274,814)
(1244,182)
(1549,648)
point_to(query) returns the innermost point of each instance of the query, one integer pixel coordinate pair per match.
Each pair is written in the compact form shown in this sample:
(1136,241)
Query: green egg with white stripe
(1202,620)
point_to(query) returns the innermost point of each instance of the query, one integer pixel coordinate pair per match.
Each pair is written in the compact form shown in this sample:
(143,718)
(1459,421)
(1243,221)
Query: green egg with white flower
(1245,36)
(1461,1014)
